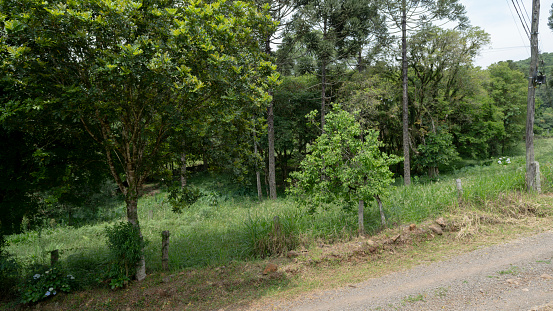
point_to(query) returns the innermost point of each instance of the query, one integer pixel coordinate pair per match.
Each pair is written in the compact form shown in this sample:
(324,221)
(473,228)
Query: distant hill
(543,93)
(546,68)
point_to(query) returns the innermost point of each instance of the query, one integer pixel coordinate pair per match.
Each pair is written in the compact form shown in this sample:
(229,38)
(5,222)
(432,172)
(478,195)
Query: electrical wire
(527,19)
(524,25)
(516,24)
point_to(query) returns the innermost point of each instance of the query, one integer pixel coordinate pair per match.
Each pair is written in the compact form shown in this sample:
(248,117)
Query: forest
(122,113)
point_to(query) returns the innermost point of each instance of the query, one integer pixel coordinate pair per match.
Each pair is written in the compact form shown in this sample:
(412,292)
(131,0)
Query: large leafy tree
(128,71)
(440,60)
(507,88)
(407,15)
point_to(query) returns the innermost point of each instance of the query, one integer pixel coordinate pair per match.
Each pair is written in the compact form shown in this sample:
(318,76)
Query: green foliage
(266,237)
(126,245)
(204,235)
(115,276)
(129,74)
(183,197)
(437,150)
(344,164)
(508,92)
(46,284)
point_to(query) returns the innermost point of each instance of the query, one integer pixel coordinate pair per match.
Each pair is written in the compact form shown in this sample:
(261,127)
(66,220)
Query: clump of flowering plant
(504,161)
(46,284)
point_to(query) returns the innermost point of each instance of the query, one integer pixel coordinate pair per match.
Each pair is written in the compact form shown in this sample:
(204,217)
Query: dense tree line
(135,90)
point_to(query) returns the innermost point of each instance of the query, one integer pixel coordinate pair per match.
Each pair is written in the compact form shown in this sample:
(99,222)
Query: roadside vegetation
(263,163)
(226,237)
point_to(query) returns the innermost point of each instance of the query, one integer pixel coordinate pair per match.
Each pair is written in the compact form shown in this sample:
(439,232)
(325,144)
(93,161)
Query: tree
(344,164)
(128,71)
(404,14)
(508,90)
(334,30)
(440,61)
(438,149)
(279,10)
(294,98)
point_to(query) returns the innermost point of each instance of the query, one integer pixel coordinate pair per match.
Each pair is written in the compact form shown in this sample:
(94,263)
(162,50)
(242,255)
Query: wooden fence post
(535,182)
(54,257)
(165,250)
(459,188)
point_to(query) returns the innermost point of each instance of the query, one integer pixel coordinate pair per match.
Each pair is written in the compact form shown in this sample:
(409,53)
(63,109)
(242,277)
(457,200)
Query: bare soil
(512,276)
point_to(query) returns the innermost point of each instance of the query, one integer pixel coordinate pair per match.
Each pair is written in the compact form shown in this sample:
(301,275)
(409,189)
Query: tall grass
(227,226)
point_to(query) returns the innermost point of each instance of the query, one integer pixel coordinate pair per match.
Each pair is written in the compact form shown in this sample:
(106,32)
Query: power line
(524,25)
(516,24)
(527,18)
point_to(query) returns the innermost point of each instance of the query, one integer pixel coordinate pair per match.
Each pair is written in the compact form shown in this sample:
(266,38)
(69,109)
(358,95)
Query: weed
(411,299)
(544,261)
(514,270)
(440,292)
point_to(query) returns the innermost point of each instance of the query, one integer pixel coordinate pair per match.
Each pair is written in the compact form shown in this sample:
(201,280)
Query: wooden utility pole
(530,165)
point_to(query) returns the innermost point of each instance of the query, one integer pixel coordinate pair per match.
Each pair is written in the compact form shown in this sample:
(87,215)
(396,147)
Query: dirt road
(514,276)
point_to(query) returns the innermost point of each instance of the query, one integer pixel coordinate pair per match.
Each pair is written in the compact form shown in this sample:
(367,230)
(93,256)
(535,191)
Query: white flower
(499,161)
(36,276)
(50,289)
(47,294)
(508,160)
(70,276)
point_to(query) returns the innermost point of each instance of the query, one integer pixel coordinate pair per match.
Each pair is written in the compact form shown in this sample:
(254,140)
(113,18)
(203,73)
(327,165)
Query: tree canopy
(130,71)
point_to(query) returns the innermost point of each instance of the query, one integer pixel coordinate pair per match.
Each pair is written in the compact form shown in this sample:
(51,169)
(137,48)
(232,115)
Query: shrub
(46,284)
(180,198)
(126,246)
(265,237)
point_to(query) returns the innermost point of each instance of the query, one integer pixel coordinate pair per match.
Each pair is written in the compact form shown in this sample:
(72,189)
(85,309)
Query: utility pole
(531,165)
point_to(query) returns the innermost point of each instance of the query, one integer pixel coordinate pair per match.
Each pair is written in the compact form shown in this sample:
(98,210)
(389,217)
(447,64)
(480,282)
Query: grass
(228,229)
(513,270)
(411,299)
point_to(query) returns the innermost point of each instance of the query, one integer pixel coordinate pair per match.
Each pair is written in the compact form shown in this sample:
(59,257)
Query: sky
(508,39)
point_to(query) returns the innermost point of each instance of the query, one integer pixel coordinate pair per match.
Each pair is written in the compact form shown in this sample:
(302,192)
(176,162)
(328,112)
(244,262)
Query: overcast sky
(500,20)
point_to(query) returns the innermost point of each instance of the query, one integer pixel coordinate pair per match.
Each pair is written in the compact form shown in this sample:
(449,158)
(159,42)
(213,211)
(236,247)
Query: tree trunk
(132,216)
(183,170)
(406,162)
(165,250)
(381,208)
(361,221)
(271,135)
(271,153)
(257,173)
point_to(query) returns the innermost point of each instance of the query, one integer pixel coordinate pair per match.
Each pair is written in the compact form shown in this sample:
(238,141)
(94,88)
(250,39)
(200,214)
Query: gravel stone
(501,277)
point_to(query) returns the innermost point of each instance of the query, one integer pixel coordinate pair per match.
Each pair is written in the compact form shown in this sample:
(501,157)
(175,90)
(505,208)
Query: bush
(265,237)
(126,246)
(46,284)
(181,198)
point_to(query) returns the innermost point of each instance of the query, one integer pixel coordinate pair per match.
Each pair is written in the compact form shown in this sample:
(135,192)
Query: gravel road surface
(517,275)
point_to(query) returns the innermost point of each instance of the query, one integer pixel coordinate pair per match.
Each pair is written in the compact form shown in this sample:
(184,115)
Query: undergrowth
(222,226)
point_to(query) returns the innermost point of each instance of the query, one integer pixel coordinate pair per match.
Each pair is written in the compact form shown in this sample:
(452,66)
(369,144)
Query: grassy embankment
(231,231)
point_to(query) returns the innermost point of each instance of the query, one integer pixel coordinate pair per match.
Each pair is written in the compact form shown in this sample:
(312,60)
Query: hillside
(546,67)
